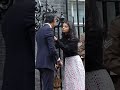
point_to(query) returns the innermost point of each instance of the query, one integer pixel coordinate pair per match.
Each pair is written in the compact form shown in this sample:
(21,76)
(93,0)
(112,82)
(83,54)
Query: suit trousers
(46,79)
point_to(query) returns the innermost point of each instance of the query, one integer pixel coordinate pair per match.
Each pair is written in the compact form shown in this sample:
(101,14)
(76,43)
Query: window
(72,12)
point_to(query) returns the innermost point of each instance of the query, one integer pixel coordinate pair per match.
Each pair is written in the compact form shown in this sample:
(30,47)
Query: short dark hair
(49,18)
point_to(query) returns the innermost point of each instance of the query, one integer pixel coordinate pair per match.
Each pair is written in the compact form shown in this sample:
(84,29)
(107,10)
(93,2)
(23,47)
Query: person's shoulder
(117,18)
(46,28)
(116,21)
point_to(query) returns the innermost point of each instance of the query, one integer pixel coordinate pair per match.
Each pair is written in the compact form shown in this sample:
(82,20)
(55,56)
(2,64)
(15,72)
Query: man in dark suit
(18,31)
(46,53)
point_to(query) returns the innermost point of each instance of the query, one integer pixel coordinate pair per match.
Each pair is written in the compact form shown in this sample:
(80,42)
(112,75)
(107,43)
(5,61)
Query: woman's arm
(66,47)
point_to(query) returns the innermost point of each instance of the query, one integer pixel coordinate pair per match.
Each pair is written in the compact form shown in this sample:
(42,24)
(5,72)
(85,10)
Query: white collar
(48,24)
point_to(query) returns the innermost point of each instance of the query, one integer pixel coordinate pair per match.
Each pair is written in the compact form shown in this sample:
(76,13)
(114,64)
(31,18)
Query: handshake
(59,64)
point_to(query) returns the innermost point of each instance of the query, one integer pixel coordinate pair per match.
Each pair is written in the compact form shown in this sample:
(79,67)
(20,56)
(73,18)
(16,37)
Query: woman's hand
(55,38)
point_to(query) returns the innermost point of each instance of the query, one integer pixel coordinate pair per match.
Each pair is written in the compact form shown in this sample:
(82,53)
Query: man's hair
(49,18)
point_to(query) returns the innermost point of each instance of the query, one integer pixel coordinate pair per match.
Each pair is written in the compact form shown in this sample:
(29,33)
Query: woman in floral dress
(74,70)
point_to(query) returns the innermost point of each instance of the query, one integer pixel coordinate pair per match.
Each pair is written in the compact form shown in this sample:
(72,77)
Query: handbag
(57,81)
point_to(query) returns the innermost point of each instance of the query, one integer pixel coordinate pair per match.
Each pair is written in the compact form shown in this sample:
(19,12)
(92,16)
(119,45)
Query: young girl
(74,69)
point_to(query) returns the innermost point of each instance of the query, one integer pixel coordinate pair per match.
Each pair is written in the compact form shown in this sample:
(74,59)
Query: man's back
(44,38)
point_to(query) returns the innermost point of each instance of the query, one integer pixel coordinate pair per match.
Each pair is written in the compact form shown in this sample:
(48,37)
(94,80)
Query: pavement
(37,80)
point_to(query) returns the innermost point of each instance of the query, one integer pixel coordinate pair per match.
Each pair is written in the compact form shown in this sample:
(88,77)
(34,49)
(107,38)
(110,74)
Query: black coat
(69,46)
(18,32)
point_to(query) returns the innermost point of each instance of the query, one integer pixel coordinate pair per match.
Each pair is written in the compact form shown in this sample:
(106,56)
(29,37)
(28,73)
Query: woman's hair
(71,33)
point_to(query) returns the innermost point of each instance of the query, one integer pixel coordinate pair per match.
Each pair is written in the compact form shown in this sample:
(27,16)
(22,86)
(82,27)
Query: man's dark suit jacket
(46,51)
(18,31)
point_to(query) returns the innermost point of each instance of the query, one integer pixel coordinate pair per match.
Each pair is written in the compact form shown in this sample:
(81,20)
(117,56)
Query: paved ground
(37,80)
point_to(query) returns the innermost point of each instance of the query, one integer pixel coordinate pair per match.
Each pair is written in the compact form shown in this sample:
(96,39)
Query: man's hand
(59,63)
(57,66)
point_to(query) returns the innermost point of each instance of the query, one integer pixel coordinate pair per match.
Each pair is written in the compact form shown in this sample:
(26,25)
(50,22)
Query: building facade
(73,10)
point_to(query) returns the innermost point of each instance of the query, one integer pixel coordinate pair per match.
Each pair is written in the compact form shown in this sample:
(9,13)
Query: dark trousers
(46,79)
